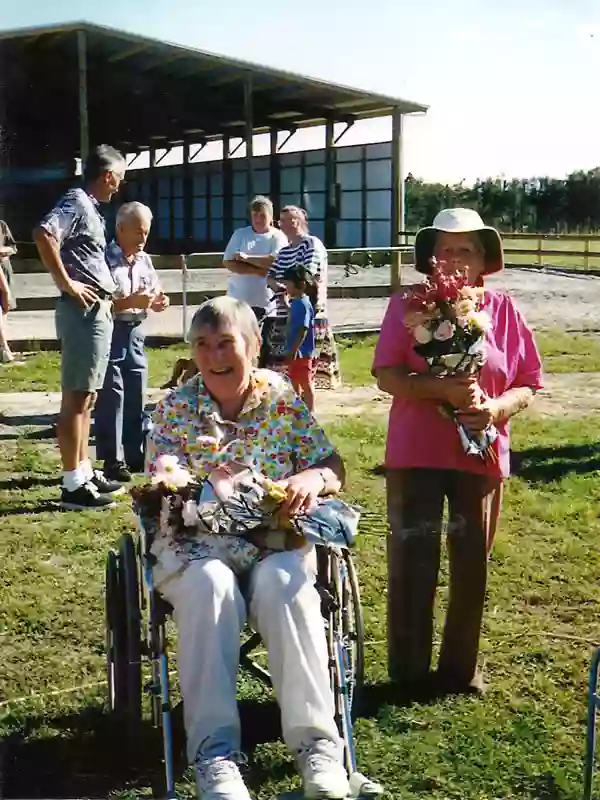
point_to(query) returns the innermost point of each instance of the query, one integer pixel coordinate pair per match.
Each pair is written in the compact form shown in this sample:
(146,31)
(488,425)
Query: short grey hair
(103,158)
(262,203)
(133,209)
(297,212)
(221,311)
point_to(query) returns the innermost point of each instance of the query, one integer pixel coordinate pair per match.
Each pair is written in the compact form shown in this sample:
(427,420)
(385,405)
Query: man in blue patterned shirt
(120,405)
(72,244)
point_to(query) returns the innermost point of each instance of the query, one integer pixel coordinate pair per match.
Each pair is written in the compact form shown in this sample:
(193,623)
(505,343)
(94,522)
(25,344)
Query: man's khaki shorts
(85,336)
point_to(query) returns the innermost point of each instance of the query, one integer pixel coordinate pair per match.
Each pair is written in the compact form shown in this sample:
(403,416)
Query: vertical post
(184,304)
(227,190)
(398,202)
(84,133)
(274,169)
(153,193)
(586,250)
(188,184)
(249,118)
(331,210)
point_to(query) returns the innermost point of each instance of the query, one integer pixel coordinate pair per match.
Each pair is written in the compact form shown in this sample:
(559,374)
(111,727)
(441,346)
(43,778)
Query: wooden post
(398,202)
(153,192)
(84,133)
(330,196)
(188,192)
(227,189)
(586,251)
(249,118)
(540,243)
(274,169)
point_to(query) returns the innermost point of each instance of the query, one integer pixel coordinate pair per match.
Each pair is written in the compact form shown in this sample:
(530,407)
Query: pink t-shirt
(419,436)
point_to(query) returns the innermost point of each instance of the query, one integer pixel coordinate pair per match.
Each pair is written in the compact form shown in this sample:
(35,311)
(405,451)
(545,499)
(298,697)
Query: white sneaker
(6,357)
(322,771)
(220,779)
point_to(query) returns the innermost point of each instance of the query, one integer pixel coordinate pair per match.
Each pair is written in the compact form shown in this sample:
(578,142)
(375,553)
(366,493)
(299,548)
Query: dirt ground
(571,394)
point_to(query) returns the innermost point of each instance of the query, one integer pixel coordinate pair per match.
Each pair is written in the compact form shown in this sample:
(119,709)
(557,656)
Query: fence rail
(544,247)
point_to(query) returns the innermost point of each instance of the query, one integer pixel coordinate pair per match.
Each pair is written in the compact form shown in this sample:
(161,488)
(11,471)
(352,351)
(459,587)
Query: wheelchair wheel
(116,637)
(123,632)
(345,625)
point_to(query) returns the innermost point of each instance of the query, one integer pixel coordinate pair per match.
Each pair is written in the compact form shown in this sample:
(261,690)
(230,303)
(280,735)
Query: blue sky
(512,86)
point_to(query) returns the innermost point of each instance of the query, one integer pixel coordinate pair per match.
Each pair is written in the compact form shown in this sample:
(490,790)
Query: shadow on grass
(548,464)
(542,787)
(376,696)
(26,420)
(28,482)
(25,510)
(87,755)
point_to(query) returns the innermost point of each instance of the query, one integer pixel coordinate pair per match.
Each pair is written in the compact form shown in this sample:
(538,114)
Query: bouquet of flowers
(446,319)
(235,500)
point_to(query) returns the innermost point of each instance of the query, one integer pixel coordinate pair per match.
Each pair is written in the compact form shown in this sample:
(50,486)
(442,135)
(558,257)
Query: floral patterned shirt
(275,434)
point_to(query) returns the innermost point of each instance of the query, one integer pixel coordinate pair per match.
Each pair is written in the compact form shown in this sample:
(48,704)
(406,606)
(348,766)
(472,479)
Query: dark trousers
(415,501)
(120,404)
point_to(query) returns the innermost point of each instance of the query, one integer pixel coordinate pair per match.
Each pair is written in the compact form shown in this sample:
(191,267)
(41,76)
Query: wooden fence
(569,250)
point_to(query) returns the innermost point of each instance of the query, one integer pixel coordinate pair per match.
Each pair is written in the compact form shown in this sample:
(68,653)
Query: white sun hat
(459,220)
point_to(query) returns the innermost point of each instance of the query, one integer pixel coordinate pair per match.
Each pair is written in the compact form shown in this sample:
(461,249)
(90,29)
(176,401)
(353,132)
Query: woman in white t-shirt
(250,254)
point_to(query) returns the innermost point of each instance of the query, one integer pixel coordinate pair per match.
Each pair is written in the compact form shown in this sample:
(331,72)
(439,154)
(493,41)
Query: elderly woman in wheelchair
(228,413)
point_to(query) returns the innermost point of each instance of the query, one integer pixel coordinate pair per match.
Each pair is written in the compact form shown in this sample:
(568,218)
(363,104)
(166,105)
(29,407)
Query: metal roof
(144,92)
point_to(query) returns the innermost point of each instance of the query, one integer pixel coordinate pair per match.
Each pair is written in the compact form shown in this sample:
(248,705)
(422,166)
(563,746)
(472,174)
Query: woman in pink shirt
(426,464)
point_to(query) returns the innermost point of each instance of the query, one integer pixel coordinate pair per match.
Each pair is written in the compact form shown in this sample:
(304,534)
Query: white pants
(284,607)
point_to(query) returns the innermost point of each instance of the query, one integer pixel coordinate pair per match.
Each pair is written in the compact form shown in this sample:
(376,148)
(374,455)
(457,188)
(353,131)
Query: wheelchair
(593,706)
(137,645)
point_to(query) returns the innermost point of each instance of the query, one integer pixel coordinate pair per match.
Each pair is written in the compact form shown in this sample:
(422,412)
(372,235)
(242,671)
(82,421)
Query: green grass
(561,351)
(524,740)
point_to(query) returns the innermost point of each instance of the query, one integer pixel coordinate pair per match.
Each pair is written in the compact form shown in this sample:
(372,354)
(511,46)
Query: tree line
(547,205)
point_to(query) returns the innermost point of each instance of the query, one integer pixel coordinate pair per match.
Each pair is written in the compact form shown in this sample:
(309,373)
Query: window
(349,176)
(348,234)
(379,174)
(379,204)
(351,205)
(291,180)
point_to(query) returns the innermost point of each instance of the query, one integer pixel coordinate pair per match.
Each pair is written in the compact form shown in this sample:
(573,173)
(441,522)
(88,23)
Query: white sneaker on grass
(323,774)
(220,779)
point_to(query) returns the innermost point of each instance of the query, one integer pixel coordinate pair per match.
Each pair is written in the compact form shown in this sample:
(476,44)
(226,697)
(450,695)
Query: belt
(129,322)
(101,294)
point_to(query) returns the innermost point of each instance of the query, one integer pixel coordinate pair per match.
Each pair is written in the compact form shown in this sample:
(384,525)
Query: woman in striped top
(309,252)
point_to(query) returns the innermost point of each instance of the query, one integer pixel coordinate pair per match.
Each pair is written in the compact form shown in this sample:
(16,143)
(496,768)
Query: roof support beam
(275,170)
(82,78)
(340,136)
(231,153)
(290,133)
(168,149)
(197,152)
(398,198)
(249,118)
(331,210)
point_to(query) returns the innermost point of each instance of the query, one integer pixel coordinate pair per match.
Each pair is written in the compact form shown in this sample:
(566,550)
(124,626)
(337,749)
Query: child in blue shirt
(300,333)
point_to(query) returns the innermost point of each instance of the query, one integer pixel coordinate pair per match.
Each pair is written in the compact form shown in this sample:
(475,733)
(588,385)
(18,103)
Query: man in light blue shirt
(120,405)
